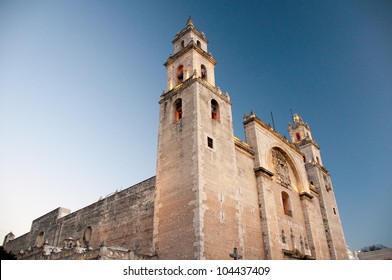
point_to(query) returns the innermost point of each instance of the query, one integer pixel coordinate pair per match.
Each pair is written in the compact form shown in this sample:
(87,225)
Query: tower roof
(297,118)
(298,122)
(190,26)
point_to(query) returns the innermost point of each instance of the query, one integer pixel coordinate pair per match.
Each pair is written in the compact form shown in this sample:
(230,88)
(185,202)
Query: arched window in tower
(180,74)
(318,160)
(198,43)
(214,110)
(182,44)
(203,72)
(298,136)
(178,109)
(286,204)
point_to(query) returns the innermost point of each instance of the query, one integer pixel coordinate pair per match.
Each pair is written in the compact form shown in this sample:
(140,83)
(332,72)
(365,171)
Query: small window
(203,72)
(178,109)
(334,211)
(214,110)
(286,204)
(318,160)
(180,74)
(198,43)
(182,44)
(304,158)
(298,136)
(210,142)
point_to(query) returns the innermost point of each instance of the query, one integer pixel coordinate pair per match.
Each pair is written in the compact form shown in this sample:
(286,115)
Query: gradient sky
(80,83)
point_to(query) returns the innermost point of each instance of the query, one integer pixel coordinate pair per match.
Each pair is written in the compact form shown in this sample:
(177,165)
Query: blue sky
(80,83)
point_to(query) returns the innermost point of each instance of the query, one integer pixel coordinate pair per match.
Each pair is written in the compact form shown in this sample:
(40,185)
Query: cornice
(307,141)
(297,125)
(306,195)
(188,82)
(189,47)
(244,146)
(261,170)
(316,164)
(187,29)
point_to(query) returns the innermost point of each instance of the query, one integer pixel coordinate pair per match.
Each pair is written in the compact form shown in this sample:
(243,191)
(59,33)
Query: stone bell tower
(195,204)
(319,177)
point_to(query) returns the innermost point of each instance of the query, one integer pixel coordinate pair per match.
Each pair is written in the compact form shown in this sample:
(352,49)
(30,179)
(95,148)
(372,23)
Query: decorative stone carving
(281,169)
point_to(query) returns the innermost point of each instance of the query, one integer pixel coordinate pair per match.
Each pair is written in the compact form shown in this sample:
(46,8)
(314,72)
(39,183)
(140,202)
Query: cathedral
(214,196)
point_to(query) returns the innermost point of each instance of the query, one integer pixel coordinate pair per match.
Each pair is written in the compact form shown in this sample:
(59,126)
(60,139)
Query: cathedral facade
(213,196)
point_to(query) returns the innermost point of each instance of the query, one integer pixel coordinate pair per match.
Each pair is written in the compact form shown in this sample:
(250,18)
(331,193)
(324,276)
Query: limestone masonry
(213,194)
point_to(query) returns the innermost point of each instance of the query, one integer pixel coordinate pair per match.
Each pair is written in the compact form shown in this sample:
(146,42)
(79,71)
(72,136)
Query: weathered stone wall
(122,219)
(47,226)
(18,244)
(252,238)
(42,229)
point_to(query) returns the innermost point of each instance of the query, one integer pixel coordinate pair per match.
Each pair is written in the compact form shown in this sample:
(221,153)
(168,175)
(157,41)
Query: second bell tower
(196,205)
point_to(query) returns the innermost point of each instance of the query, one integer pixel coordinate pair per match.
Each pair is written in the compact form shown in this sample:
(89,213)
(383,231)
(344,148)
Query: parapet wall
(124,219)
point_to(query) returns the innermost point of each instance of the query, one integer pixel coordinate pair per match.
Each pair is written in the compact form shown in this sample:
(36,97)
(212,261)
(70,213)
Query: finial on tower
(296,118)
(189,22)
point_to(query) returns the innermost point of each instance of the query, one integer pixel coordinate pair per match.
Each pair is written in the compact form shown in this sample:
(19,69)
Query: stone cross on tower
(235,254)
